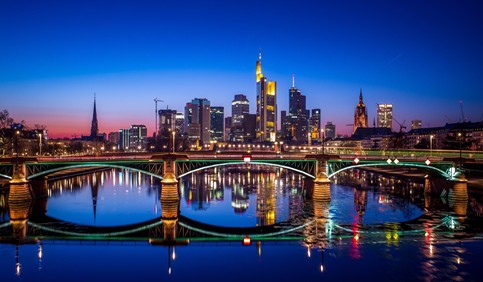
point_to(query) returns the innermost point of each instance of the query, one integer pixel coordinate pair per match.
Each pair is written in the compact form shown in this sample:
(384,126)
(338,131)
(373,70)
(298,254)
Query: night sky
(424,57)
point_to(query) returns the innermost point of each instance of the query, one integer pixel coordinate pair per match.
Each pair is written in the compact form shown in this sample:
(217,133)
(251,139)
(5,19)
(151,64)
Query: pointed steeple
(94,125)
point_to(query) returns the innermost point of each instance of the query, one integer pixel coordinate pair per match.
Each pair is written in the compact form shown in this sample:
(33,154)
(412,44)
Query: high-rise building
(360,114)
(199,127)
(384,115)
(113,138)
(297,115)
(167,121)
(137,137)
(285,127)
(124,138)
(228,122)
(217,118)
(188,112)
(239,106)
(314,124)
(417,123)
(330,130)
(266,126)
(179,123)
(249,123)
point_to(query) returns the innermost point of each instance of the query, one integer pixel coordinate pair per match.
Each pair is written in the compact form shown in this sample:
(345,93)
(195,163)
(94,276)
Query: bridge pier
(321,190)
(458,195)
(169,190)
(19,185)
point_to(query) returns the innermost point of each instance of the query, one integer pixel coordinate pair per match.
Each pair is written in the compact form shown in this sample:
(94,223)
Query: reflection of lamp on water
(322,261)
(17,263)
(40,254)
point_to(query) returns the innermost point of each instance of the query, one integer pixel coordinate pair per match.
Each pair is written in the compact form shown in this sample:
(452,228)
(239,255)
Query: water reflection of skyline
(262,193)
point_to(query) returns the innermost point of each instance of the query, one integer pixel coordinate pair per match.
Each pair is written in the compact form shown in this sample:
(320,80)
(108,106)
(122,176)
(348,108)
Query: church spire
(94,125)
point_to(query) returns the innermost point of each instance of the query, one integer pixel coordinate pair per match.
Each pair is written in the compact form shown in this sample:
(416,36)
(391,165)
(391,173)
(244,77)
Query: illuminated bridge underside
(6,171)
(154,169)
(305,167)
(440,168)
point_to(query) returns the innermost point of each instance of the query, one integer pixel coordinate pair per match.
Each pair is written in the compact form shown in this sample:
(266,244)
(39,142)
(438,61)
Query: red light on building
(247,241)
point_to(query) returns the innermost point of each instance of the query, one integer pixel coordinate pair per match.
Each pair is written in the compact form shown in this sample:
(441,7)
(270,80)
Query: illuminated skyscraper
(314,125)
(297,115)
(199,126)
(360,115)
(239,107)
(384,115)
(217,120)
(266,127)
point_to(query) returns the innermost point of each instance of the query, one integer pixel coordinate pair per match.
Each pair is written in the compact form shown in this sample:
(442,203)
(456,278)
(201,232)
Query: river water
(375,228)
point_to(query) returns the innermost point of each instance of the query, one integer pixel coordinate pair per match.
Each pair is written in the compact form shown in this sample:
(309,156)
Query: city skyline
(423,58)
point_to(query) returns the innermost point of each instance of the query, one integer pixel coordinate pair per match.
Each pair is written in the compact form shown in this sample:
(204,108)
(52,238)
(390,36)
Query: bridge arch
(243,163)
(5,176)
(100,165)
(426,167)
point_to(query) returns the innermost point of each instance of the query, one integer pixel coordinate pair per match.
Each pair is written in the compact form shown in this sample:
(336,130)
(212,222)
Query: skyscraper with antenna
(266,120)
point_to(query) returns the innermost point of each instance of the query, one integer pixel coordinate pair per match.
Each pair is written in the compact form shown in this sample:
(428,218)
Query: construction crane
(401,125)
(462,114)
(156,100)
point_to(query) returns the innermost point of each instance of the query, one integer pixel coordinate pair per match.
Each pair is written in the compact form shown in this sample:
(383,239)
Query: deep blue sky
(421,56)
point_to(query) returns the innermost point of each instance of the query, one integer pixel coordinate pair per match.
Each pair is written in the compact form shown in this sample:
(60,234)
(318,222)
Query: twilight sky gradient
(421,56)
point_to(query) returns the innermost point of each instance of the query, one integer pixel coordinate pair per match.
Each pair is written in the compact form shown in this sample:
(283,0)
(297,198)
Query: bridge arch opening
(436,170)
(243,163)
(91,165)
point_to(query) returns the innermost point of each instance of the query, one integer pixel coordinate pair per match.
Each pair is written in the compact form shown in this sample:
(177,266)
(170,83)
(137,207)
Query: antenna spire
(260,54)
(293,80)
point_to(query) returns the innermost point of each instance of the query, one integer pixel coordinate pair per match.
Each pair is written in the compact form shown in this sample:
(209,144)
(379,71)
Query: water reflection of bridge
(173,228)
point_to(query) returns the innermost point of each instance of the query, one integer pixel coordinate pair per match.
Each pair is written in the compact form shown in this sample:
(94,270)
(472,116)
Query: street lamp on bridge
(459,139)
(431,145)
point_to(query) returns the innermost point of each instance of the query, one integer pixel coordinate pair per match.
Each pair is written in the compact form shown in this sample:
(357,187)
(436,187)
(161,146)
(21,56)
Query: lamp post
(174,133)
(323,140)
(17,133)
(40,144)
(459,138)
(431,145)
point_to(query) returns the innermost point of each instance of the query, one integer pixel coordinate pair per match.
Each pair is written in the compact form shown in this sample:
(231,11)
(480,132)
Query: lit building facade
(417,123)
(217,119)
(384,115)
(360,114)
(297,115)
(266,126)
(167,121)
(137,137)
(199,127)
(239,107)
(330,130)
(314,125)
